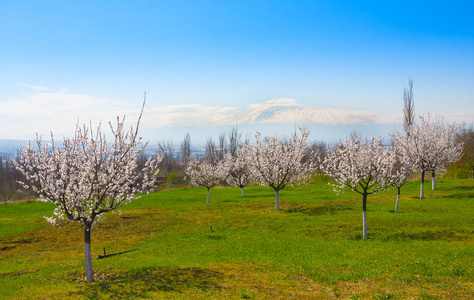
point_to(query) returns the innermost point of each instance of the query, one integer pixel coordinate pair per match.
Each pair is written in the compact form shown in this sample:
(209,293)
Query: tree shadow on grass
(459,196)
(140,283)
(448,235)
(319,210)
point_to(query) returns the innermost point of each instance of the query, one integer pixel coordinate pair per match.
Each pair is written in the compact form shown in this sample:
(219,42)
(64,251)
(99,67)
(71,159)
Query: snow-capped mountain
(283,110)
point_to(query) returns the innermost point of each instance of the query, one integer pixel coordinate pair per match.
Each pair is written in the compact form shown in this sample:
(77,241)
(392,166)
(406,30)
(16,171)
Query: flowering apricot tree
(238,168)
(401,171)
(206,174)
(429,146)
(86,176)
(365,168)
(279,164)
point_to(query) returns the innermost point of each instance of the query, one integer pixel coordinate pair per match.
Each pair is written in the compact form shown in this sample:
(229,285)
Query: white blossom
(365,168)
(429,146)
(87,176)
(239,168)
(206,174)
(401,171)
(279,165)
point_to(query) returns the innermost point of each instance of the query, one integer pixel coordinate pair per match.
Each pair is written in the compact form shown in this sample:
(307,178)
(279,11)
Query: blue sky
(64,60)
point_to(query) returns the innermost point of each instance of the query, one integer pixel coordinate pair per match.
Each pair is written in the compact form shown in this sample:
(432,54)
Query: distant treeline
(176,158)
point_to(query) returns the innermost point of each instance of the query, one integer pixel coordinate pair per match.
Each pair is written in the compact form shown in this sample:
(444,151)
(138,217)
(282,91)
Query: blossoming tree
(239,169)
(87,176)
(279,164)
(206,174)
(365,168)
(429,146)
(401,171)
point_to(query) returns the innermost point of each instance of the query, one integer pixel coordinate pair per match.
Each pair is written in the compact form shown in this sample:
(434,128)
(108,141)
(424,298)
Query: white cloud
(189,115)
(34,87)
(59,111)
(56,111)
(58,104)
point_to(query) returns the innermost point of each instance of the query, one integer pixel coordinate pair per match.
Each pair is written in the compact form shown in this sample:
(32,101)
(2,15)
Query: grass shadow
(318,210)
(458,196)
(142,282)
(448,235)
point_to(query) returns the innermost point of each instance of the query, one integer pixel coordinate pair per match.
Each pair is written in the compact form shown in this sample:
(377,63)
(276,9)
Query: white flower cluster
(87,176)
(239,168)
(362,167)
(206,174)
(278,164)
(268,162)
(430,145)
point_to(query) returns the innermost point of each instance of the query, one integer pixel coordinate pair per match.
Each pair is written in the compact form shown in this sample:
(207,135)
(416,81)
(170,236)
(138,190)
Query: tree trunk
(364,210)
(207,195)
(87,252)
(243,192)
(422,189)
(433,180)
(277,200)
(398,199)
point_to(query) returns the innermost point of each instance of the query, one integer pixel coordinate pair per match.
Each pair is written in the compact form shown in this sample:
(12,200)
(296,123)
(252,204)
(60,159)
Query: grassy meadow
(241,248)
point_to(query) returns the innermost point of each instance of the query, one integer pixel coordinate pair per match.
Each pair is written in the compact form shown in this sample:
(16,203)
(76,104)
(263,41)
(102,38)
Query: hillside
(240,248)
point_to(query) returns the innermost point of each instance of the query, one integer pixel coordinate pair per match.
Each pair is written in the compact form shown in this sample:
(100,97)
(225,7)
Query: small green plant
(245,294)
(459,271)
(171,179)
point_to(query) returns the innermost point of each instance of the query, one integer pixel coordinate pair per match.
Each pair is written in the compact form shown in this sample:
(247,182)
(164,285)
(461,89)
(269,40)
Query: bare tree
(234,141)
(186,150)
(222,150)
(166,151)
(355,136)
(408,106)
(211,152)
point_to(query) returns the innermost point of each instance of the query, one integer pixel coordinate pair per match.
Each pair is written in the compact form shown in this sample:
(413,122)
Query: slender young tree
(408,106)
(206,174)
(211,153)
(401,171)
(365,168)
(186,150)
(279,165)
(222,150)
(239,169)
(166,151)
(234,141)
(87,176)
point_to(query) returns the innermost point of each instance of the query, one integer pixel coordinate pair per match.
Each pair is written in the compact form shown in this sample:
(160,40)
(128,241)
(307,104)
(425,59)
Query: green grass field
(241,248)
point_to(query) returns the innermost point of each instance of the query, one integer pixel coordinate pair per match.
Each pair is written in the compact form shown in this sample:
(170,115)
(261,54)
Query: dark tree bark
(422,188)
(87,251)
(364,213)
